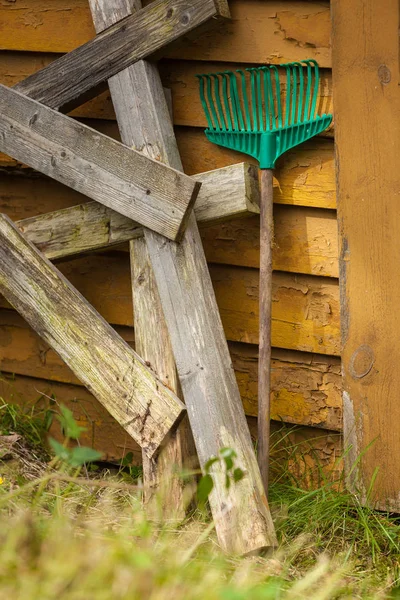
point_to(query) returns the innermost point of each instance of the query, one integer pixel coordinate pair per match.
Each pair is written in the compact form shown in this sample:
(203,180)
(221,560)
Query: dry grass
(66,535)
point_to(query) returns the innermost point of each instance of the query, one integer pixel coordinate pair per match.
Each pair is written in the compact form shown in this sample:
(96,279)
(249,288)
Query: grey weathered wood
(94,164)
(97,355)
(76,76)
(242,518)
(164,489)
(225,194)
(163,485)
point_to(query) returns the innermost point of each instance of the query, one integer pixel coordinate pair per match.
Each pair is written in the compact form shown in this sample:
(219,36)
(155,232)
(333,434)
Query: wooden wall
(306,328)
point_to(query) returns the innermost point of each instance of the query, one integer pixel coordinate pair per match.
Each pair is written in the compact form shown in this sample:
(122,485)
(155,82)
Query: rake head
(245,109)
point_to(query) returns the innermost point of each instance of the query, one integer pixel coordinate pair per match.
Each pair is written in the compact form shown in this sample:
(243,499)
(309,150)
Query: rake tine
(201,79)
(288,81)
(218,101)
(236,100)
(301,92)
(307,104)
(225,97)
(253,97)
(278,96)
(211,102)
(316,87)
(245,99)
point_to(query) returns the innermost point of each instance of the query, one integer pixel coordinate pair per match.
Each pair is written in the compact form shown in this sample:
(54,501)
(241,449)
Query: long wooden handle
(264,353)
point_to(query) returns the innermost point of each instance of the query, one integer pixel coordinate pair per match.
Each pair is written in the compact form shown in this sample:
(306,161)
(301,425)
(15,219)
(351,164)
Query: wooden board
(281,30)
(306,387)
(109,368)
(305,309)
(304,176)
(225,194)
(79,74)
(177,76)
(105,170)
(305,241)
(309,454)
(367,94)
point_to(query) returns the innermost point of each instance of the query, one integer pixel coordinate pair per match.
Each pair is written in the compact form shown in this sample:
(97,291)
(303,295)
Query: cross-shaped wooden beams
(177,274)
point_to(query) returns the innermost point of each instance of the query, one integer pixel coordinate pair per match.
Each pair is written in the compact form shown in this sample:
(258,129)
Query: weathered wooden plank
(305,241)
(305,309)
(78,74)
(367,93)
(304,176)
(110,369)
(225,194)
(93,164)
(179,76)
(161,481)
(281,30)
(306,388)
(197,339)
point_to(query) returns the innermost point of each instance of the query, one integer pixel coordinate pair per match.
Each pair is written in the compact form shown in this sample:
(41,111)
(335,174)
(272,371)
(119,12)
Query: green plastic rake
(246,111)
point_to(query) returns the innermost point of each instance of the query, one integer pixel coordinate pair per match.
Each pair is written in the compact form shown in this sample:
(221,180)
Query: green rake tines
(244,109)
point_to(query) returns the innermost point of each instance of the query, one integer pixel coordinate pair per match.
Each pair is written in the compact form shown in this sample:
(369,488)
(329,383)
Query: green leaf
(70,427)
(204,487)
(210,463)
(228,454)
(227,481)
(59,450)
(238,474)
(81,455)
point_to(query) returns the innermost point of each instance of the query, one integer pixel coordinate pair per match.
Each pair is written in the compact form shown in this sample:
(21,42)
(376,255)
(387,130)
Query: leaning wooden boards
(93,164)
(110,369)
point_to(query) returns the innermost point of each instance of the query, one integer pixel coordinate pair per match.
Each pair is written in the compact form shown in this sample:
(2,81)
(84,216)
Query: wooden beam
(109,368)
(201,353)
(93,164)
(63,83)
(226,193)
(367,104)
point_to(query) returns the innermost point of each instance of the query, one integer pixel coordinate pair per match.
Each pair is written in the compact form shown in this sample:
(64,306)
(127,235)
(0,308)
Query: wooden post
(367,134)
(241,514)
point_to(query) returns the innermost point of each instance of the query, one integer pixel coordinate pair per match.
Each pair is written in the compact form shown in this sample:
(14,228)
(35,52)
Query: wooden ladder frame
(171,281)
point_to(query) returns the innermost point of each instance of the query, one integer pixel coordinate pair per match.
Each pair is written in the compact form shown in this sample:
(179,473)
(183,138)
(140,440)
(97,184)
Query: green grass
(66,536)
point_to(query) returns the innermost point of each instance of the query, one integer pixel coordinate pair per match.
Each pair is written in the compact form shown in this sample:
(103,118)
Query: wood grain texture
(100,358)
(281,30)
(178,76)
(367,95)
(303,177)
(306,388)
(225,194)
(164,490)
(305,241)
(317,456)
(242,519)
(305,309)
(78,74)
(265,306)
(95,165)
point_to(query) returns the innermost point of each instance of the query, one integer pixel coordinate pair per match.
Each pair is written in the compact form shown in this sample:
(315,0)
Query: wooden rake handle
(265,299)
